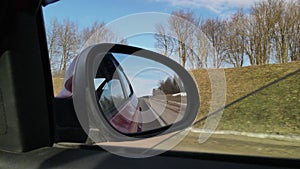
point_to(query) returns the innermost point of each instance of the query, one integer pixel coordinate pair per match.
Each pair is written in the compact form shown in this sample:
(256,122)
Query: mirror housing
(93,119)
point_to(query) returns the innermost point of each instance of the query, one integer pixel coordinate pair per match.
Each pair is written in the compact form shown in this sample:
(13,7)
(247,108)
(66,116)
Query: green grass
(274,109)
(57,84)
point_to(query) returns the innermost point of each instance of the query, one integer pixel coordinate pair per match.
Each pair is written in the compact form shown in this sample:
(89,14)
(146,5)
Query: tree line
(268,33)
(171,85)
(65,41)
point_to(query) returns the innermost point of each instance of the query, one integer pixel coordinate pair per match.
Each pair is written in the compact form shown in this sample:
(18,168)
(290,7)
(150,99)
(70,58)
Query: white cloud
(218,6)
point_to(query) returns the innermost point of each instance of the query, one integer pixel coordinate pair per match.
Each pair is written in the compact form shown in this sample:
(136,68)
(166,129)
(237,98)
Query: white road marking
(157,117)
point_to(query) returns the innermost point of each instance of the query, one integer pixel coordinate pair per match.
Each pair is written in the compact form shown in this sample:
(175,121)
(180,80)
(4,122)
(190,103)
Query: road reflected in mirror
(136,94)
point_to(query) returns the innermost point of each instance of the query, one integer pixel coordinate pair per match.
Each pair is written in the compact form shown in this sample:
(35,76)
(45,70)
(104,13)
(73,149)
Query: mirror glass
(136,94)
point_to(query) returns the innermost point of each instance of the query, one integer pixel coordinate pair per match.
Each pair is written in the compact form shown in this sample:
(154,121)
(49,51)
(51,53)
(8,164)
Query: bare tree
(281,15)
(52,38)
(265,21)
(164,40)
(202,47)
(274,32)
(234,39)
(99,33)
(68,43)
(294,31)
(182,36)
(214,30)
(270,33)
(182,24)
(89,31)
(287,30)
(65,41)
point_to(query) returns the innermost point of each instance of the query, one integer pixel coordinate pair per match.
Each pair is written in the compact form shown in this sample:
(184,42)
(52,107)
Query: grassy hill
(263,99)
(274,108)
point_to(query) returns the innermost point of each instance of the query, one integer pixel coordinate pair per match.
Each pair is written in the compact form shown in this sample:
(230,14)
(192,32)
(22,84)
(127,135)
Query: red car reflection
(114,94)
(116,97)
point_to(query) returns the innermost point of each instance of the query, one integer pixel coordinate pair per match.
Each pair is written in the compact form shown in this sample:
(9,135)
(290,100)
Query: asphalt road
(157,113)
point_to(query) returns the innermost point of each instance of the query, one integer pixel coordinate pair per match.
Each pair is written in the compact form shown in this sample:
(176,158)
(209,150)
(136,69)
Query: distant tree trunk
(68,41)
(183,25)
(164,40)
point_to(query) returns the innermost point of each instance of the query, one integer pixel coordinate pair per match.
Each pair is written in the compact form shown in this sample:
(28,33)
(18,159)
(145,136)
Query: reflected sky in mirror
(144,74)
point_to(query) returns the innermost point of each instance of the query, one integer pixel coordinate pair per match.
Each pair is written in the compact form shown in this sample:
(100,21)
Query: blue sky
(144,76)
(86,12)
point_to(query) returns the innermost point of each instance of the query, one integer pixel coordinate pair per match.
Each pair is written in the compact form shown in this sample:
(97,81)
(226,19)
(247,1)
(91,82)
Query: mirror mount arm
(67,126)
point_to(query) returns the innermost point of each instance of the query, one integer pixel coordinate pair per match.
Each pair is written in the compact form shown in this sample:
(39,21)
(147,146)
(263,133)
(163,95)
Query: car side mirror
(126,93)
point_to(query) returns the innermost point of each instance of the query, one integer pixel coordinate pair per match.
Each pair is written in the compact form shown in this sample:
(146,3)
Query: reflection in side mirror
(136,94)
(128,93)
